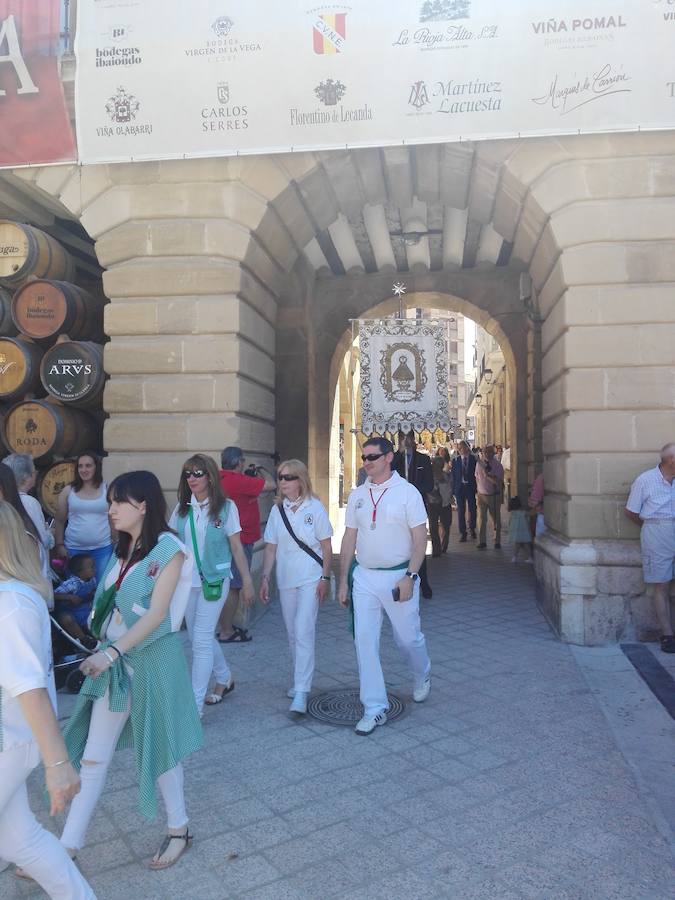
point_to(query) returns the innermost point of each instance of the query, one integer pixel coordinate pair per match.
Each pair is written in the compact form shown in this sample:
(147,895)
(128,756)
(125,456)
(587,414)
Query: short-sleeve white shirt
(400,508)
(25,658)
(200,514)
(311,524)
(651,496)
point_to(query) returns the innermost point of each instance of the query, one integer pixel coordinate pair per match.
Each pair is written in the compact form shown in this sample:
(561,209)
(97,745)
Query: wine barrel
(53,481)
(45,430)
(26,251)
(43,309)
(72,371)
(7,325)
(19,368)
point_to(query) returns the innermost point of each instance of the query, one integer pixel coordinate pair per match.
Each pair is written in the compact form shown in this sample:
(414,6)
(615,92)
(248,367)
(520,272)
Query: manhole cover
(344,707)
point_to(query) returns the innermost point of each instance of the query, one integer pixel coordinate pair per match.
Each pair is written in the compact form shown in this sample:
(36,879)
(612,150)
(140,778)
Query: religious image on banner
(34,123)
(404,375)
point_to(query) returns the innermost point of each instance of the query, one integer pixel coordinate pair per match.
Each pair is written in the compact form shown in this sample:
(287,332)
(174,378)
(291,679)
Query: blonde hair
(295,467)
(19,557)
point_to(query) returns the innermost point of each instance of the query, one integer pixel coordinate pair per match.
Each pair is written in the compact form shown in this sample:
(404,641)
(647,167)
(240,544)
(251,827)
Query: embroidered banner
(404,375)
(34,123)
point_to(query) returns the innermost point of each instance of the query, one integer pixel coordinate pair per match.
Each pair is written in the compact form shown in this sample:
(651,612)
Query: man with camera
(489,479)
(243,485)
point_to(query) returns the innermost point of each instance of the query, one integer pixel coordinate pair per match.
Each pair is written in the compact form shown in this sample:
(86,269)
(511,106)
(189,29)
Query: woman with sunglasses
(137,691)
(303,573)
(208,524)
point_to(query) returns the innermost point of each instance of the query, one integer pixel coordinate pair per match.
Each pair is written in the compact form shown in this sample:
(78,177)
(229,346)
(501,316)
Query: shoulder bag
(301,544)
(210,589)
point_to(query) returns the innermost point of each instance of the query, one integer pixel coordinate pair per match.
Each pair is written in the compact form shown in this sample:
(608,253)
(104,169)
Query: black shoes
(473,535)
(668,643)
(498,546)
(462,540)
(481,546)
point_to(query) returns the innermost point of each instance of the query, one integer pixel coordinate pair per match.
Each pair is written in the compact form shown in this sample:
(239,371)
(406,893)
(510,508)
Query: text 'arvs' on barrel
(72,372)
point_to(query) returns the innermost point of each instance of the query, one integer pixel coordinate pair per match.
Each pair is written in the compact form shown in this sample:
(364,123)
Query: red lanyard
(133,559)
(373,522)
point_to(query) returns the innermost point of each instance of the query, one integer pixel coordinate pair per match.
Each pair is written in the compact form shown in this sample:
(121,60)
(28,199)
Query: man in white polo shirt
(651,504)
(386,525)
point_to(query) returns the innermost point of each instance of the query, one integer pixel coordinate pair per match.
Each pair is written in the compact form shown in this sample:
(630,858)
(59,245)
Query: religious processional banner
(34,123)
(171,79)
(404,375)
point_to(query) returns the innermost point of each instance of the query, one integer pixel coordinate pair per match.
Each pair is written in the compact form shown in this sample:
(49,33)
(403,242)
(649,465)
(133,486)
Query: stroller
(67,651)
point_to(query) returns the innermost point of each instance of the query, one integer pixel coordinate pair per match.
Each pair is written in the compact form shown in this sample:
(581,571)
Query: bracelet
(61,762)
(108,657)
(116,649)
(325,578)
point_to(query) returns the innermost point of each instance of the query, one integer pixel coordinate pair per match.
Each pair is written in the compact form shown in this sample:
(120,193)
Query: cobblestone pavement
(507,783)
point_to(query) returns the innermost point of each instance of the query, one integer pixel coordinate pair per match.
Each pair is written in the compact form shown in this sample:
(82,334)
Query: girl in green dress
(137,691)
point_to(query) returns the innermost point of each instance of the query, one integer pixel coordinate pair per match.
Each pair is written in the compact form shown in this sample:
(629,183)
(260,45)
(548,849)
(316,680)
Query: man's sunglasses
(194,473)
(371,457)
(288,477)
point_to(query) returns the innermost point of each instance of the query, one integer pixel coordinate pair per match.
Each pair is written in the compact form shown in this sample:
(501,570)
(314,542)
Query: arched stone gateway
(231,282)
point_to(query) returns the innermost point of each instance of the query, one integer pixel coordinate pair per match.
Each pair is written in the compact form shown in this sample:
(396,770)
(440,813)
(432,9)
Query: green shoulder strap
(194,543)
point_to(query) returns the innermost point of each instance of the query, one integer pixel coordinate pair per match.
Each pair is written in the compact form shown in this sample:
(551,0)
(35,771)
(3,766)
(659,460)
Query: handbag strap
(194,543)
(301,544)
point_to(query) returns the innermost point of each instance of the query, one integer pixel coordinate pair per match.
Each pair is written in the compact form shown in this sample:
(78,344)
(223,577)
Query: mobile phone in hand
(396,594)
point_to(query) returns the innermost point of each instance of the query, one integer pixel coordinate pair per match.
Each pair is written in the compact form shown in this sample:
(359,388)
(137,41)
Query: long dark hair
(77,484)
(10,493)
(216,495)
(140,487)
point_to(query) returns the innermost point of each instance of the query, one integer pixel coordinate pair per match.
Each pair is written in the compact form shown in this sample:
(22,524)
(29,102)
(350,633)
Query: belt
(350,583)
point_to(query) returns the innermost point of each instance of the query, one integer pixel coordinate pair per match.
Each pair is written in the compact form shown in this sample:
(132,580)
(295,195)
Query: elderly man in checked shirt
(651,505)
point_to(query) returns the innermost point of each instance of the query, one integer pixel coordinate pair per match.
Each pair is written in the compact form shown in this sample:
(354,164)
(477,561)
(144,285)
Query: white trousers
(105,729)
(299,607)
(201,618)
(24,841)
(372,596)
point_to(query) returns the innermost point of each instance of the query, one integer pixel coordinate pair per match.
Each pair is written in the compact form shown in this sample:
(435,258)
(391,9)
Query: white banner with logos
(404,375)
(167,79)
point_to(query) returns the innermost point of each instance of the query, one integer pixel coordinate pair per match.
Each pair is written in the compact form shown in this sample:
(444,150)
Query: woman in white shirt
(303,577)
(208,524)
(24,471)
(28,725)
(83,505)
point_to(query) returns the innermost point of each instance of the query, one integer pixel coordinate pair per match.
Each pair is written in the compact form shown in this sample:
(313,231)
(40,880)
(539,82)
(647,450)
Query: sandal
(238,636)
(214,698)
(164,846)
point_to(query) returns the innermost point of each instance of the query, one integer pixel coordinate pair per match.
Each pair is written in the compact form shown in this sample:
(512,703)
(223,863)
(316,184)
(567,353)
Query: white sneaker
(290,693)
(370,723)
(299,704)
(421,693)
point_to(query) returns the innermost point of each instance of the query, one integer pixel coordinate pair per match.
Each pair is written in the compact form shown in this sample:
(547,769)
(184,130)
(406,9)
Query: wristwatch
(325,578)
(412,575)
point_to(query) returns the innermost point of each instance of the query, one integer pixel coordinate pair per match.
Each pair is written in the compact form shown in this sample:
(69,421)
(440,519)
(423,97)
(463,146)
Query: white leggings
(105,729)
(24,841)
(201,618)
(299,607)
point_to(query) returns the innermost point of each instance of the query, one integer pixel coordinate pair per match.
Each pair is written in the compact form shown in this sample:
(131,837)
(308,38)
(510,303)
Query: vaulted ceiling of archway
(362,210)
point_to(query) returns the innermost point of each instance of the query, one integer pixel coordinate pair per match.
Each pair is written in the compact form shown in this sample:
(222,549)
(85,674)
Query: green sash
(350,584)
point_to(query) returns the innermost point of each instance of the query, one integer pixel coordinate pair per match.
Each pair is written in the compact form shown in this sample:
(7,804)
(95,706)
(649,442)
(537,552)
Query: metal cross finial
(399,290)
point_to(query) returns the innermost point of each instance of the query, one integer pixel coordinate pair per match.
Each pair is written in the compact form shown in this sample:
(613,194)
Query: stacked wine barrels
(51,356)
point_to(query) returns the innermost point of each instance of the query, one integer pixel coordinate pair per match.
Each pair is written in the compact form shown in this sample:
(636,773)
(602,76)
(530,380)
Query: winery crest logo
(122,107)
(455,97)
(330,92)
(223,44)
(224,116)
(443,10)
(329,29)
(222,26)
(419,96)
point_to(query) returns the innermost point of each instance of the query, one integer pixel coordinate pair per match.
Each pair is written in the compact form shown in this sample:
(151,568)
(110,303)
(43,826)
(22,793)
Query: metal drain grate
(344,707)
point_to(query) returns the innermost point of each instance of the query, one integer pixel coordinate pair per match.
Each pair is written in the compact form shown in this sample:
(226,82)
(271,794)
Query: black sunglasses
(371,457)
(288,477)
(194,473)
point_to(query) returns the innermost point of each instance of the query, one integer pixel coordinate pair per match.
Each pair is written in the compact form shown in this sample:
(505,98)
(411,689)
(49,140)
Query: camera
(252,471)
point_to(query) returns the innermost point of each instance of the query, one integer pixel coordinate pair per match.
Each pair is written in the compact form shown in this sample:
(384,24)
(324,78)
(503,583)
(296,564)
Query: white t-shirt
(34,510)
(25,658)
(311,524)
(399,509)
(200,515)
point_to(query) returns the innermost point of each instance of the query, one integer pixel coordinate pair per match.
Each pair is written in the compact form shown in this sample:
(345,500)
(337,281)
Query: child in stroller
(73,598)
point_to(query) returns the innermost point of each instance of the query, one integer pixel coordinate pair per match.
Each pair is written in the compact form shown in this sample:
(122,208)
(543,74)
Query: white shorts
(657,540)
